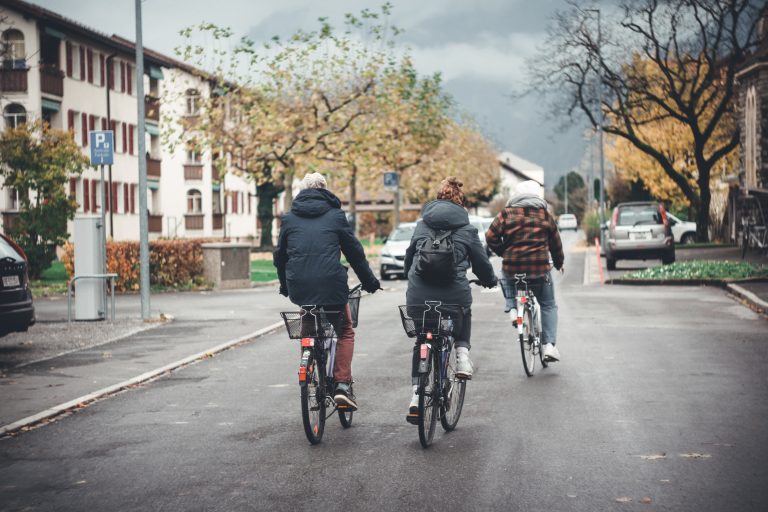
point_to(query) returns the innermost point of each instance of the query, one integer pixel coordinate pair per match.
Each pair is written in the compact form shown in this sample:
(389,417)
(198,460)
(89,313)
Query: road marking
(86,400)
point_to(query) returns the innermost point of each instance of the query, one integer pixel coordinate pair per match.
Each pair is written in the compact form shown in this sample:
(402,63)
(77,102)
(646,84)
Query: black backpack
(435,262)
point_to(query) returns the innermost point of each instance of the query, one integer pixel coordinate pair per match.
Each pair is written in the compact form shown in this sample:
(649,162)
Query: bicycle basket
(310,324)
(354,304)
(423,318)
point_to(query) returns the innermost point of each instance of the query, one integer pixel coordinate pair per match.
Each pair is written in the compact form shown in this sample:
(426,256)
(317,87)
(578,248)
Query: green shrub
(591,226)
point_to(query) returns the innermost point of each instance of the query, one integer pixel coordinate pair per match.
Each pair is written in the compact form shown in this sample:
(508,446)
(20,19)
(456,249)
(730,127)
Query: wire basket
(354,304)
(422,318)
(311,324)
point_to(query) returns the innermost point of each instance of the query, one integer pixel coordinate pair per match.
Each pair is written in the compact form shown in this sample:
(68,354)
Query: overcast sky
(479,46)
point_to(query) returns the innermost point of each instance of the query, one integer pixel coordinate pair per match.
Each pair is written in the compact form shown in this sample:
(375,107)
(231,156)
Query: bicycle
(317,328)
(441,393)
(526,318)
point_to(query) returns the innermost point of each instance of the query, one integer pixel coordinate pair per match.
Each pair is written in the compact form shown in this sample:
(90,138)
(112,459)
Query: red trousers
(345,347)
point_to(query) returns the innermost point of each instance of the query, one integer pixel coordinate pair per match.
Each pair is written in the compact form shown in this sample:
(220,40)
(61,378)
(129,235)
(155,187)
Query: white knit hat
(314,180)
(528,187)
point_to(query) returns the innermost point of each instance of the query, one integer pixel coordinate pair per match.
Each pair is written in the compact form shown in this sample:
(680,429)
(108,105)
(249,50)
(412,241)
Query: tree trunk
(266,194)
(288,176)
(702,212)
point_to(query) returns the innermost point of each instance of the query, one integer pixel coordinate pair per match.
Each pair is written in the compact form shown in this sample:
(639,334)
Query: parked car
(482,224)
(393,252)
(567,221)
(684,231)
(17,312)
(639,231)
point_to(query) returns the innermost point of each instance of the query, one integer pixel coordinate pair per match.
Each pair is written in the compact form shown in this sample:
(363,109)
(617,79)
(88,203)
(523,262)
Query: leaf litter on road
(653,456)
(695,455)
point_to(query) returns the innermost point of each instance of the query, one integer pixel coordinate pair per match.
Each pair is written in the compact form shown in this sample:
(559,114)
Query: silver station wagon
(639,231)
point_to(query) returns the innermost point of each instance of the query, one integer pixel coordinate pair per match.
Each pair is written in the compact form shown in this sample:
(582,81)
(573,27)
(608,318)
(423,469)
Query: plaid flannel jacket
(524,237)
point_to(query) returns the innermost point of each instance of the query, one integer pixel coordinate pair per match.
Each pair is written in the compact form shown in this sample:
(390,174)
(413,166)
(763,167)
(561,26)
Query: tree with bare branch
(690,50)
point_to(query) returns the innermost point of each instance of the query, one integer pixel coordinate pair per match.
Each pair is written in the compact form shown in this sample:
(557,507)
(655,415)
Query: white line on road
(144,377)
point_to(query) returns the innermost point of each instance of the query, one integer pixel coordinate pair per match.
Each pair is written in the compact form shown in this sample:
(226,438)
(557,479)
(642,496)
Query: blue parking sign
(391,181)
(102,147)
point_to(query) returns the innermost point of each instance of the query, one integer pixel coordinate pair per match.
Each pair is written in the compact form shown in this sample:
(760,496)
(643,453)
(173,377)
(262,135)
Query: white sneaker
(550,352)
(413,408)
(463,363)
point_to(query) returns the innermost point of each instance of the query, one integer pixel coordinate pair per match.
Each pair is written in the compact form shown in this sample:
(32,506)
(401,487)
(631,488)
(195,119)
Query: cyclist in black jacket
(313,235)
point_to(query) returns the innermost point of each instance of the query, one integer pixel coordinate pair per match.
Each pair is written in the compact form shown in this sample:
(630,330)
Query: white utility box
(90,296)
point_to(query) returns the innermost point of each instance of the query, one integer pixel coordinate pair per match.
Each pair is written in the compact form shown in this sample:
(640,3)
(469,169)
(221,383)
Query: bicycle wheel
(526,344)
(313,402)
(453,395)
(345,417)
(428,404)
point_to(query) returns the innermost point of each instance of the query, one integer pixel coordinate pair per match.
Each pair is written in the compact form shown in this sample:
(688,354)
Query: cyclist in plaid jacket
(525,234)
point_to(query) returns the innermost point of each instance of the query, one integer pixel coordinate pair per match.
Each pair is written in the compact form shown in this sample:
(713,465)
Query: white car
(683,232)
(393,253)
(482,224)
(567,221)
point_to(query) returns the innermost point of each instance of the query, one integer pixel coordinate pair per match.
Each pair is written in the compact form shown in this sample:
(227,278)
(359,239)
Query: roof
(56,21)
(519,166)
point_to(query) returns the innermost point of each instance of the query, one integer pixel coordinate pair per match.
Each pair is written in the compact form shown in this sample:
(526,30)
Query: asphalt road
(658,404)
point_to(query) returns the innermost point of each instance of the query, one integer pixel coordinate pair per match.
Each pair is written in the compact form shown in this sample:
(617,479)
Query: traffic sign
(102,147)
(391,181)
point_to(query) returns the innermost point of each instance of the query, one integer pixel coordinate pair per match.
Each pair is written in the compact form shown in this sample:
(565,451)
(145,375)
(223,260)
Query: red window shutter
(128,78)
(92,123)
(249,204)
(69,58)
(130,138)
(89,60)
(94,191)
(73,188)
(126,198)
(82,63)
(71,120)
(113,202)
(122,76)
(125,138)
(104,123)
(234,202)
(113,126)
(111,75)
(101,69)
(86,196)
(84,118)
(133,198)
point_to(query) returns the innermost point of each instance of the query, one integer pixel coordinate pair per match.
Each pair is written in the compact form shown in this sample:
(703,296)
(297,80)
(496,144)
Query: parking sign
(391,181)
(102,147)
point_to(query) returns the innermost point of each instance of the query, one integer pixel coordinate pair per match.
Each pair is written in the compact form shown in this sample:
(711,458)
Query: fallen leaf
(623,499)
(646,500)
(654,456)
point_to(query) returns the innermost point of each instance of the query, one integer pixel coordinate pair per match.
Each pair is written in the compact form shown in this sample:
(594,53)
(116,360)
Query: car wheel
(610,263)
(668,258)
(384,275)
(688,238)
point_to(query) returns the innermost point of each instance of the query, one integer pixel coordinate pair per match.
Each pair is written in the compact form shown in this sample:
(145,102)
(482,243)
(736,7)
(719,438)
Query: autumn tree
(661,60)
(577,195)
(37,163)
(273,104)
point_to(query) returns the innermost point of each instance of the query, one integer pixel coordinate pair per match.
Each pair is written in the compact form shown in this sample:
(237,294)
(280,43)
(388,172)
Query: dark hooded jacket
(308,257)
(444,215)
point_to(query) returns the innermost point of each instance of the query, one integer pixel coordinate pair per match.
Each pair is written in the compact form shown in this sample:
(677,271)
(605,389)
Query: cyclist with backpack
(524,234)
(313,235)
(443,247)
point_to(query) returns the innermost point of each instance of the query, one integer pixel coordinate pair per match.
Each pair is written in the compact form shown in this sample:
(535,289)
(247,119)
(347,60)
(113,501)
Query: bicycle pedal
(413,419)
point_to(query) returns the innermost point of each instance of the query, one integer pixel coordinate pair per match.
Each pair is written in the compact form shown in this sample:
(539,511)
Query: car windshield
(402,233)
(7,251)
(640,214)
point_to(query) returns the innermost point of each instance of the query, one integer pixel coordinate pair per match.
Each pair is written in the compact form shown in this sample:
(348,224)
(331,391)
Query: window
(192,102)
(98,75)
(14,53)
(15,115)
(193,156)
(750,142)
(76,64)
(194,201)
(13,199)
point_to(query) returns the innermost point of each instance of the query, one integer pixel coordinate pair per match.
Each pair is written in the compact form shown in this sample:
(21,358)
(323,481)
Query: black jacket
(308,257)
(446,215)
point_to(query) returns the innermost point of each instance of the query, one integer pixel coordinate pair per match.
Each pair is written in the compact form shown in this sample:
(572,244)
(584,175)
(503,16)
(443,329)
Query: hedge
(172,263)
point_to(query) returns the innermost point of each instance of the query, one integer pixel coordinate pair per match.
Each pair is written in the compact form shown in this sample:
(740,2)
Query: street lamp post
(143,214)
(600,127)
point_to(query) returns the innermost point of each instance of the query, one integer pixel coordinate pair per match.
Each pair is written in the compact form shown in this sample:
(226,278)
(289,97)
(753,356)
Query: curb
(755,302)
(720,283)
(83,401)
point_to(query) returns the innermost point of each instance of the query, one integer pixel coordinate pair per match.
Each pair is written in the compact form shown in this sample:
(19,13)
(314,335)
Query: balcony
(153,168)
(13,80)
(218,221)
(52,80)
(155,223)
(9,221)
(193,221)
(152,108)
(193,171)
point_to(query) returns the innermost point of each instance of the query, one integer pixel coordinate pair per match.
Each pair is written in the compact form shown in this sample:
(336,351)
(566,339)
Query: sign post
(392,184)
(103,153)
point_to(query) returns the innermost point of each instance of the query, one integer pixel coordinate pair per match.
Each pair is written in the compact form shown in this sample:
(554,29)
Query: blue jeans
(544,290)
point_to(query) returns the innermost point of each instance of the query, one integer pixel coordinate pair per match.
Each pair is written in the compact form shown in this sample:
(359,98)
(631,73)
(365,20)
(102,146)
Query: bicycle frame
(434,348)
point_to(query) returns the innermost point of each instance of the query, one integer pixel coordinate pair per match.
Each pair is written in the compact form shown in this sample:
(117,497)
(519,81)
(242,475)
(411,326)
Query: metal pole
(108,63)
(565,182)
(143,217)
(396,217)
(602,120)
(103,237)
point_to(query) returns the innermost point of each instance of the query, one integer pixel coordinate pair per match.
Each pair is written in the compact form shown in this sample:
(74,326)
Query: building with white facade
(78,79)
(513,170)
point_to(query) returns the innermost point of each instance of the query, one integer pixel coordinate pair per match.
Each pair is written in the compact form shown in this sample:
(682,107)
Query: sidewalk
(202,320)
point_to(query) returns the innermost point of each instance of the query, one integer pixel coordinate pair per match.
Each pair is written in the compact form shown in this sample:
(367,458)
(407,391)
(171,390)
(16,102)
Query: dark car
(639,231)
(17,312)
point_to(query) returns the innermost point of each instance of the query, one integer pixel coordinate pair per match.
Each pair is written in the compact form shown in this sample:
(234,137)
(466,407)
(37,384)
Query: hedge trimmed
(172,263)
